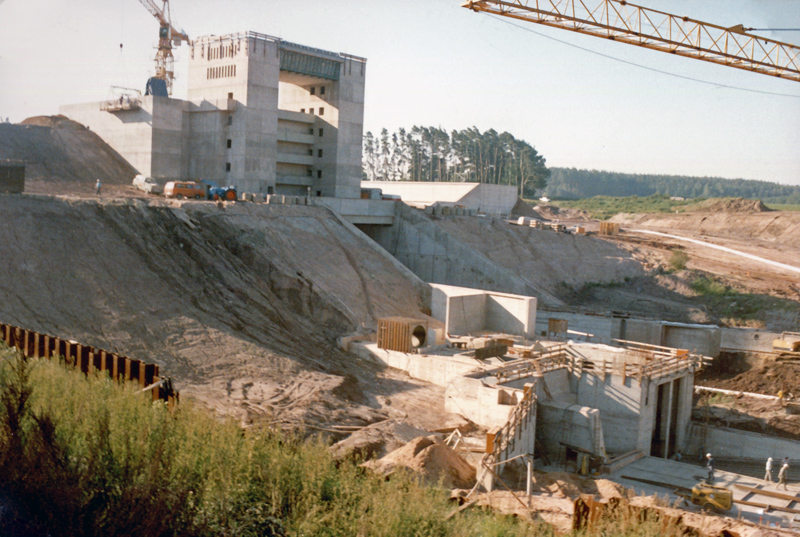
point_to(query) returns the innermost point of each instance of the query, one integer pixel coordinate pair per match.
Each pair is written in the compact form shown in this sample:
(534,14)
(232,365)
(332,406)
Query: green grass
(783,206)
(734,306)
(604,207)
(85,456)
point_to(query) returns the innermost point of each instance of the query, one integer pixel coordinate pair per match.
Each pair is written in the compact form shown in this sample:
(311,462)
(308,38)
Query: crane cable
(506,21)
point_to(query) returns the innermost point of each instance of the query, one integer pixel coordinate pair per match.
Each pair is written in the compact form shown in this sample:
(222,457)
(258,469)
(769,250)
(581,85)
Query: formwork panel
(401,334)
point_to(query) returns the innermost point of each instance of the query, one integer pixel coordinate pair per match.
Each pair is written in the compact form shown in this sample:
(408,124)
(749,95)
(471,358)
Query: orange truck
(184,189)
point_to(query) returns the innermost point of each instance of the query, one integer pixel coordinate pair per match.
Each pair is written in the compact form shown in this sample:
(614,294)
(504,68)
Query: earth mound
(430,458)
(552,212)
(377,440)
(522,208)
(63,157)
(237,303)
(732,205)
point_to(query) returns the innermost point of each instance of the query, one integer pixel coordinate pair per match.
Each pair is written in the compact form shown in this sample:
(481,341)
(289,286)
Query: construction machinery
(619,20)
(707,496)
(168,37)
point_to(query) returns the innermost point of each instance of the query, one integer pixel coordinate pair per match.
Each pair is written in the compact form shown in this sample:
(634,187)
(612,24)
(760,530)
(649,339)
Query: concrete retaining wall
(488,406)
(724,442)
(747,339)
(428,368)
(576,425)
(469,311)
(700,339)
(436,257)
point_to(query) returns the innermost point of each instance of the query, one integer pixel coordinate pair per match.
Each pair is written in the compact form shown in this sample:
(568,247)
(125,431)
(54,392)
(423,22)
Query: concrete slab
(687,475)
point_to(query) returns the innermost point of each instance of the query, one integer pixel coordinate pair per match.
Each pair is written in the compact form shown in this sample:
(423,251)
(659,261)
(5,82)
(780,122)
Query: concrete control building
(263,114)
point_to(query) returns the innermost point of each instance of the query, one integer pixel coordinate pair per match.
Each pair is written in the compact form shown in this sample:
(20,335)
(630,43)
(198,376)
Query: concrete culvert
(419,336)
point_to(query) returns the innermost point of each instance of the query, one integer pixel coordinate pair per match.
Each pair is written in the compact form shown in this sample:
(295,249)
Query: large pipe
(735,393)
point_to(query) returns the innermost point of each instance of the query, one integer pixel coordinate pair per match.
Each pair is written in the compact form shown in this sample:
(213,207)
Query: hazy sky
(432,62)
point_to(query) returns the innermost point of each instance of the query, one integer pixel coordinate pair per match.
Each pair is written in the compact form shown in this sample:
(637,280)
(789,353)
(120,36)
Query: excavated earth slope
(773,229)
(241,304)
(63,157)
(546,259)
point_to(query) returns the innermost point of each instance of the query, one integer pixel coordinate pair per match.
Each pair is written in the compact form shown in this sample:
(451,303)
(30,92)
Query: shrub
(678,259)
(708,287)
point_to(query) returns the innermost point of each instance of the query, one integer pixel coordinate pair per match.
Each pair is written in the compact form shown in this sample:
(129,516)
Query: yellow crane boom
(168,36)
(619,20)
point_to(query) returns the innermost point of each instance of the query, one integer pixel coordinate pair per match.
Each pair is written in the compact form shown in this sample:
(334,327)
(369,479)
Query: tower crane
(619,20)
(168,36)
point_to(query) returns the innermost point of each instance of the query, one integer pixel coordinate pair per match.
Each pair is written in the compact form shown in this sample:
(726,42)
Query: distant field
(603,207)
(783,207)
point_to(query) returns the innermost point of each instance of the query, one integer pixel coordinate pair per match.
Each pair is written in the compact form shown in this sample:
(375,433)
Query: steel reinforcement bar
(90,359)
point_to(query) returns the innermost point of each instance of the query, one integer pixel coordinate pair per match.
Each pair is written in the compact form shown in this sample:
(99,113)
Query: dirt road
(707,244)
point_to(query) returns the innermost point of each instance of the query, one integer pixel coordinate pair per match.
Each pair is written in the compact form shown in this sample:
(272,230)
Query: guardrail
(89,359)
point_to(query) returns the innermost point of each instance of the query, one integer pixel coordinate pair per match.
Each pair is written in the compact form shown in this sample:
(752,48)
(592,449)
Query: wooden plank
(768,507)
(769,493)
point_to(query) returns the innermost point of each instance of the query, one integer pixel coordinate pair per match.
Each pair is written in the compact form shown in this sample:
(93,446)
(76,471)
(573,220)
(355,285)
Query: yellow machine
(711,497)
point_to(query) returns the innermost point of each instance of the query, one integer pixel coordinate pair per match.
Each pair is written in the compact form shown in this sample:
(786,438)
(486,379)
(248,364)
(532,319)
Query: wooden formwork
(609,228)
(396,333)
(87,358)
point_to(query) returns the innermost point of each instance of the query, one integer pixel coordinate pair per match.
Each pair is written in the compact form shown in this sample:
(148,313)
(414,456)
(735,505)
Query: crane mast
(619,20)
(168,36)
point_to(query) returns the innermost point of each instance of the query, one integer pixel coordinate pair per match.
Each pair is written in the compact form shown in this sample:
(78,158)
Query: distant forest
(570,183)
(434,154)
(469,155)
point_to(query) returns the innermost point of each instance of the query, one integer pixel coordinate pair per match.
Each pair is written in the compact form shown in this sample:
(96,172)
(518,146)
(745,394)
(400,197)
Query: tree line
(469,155)
(571,183)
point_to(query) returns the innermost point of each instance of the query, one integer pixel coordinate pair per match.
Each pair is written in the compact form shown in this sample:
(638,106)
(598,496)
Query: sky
(581,101)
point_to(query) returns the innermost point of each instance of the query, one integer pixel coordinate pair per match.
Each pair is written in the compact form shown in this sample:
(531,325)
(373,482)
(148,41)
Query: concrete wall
(747,339)
(436,257)
(485,198)
(699,339)
(563,423)
(724,442)
(361,212)
(151,138)
(428,368)
(511,314)
(466,314)
(488,406)
(468,311)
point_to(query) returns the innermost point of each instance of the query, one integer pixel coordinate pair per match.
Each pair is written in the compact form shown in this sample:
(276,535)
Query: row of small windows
(313,90)
(223,71)
(311,110)
(222,51)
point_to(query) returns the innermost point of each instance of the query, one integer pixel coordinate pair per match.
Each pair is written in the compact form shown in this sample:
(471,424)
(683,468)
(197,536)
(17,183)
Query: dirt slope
(62,156)
(545,258)
(241,305)
(773,229)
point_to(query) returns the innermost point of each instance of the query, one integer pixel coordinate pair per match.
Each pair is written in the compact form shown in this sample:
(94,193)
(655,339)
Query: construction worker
(768,475)
(710,467)
(782,475)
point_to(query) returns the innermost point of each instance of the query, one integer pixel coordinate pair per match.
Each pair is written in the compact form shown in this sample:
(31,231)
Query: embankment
(240,304)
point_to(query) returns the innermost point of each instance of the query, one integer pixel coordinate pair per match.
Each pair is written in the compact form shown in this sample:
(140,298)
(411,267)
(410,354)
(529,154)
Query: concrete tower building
(262,114)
